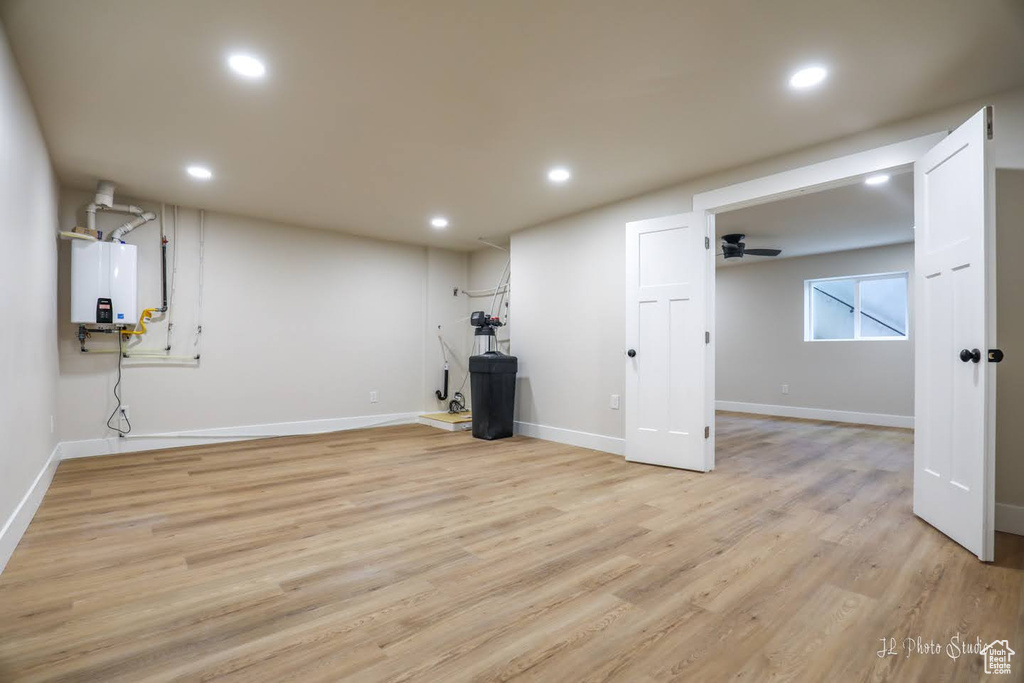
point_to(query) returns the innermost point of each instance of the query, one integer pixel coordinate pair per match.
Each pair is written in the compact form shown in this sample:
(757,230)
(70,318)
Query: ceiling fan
(734,247)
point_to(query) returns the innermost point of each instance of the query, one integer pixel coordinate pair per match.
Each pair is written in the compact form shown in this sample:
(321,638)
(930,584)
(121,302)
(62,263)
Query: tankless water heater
(104,280)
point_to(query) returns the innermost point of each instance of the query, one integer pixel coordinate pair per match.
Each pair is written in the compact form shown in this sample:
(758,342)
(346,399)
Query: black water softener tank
(493,381)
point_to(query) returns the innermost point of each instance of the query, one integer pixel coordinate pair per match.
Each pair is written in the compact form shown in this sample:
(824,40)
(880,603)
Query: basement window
(858,307)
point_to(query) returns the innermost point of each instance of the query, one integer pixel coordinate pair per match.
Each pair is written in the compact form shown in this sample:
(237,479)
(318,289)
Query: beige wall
(760,328)
(446,316)
(575,266)
(1010,337)
(485,268)
(297,324)
(28,353)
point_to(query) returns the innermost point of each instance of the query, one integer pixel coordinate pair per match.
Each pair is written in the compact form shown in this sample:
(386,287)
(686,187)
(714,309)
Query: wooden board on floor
(409,553)
(450,418)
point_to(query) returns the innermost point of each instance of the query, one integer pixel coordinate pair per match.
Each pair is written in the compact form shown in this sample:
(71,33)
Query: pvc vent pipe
(104,194)
(131,225)
(104,201)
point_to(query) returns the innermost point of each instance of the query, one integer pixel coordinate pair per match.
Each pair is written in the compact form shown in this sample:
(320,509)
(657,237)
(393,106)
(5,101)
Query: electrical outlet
(614,402)
(53,424)
(373,397)
(785,389)
(125,417)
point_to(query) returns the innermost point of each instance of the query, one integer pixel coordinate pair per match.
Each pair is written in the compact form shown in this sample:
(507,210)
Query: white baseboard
(202,437)
(877,419)
(597,442)
(1010,518)
(15,526)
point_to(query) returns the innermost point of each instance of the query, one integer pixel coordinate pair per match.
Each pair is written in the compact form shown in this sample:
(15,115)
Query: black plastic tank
(493,381)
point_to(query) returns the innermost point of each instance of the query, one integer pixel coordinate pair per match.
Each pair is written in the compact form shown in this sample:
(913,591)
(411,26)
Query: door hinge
(707,242)
(707,432)
(707,337)
(988,122)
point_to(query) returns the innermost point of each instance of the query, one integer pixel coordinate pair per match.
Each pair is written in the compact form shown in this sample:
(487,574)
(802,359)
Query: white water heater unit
(104,281)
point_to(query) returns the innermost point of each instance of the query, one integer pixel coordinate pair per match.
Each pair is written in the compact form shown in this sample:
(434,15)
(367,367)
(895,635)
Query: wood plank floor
(413,554)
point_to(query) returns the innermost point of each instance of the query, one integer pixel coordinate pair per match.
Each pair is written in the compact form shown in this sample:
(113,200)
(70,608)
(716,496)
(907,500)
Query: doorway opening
(955,285)
(671,295)
(814,304)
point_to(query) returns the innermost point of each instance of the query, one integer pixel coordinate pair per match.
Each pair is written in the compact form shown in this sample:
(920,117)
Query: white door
(665,355)
(954,422)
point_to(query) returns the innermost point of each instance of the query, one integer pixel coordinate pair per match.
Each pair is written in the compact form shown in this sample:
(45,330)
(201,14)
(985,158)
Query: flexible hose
(141,327)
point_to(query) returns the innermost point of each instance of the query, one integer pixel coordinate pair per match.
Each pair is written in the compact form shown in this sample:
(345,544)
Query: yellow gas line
(147,313)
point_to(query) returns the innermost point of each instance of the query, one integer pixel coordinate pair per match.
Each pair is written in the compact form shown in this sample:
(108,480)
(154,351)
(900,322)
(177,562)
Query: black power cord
(117,392)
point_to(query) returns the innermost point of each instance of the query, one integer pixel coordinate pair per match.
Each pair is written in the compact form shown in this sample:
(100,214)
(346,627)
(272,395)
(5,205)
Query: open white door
(954,444)
(666,354)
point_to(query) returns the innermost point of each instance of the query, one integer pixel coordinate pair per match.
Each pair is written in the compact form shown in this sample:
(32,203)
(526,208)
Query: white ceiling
(376,115)
(853,216)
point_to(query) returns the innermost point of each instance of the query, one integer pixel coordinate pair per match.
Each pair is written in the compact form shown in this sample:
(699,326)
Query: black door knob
(970,356)
(631,353)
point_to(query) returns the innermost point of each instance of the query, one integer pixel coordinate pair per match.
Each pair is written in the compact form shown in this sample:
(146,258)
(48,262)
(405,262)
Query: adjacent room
(821,329)
(462,341)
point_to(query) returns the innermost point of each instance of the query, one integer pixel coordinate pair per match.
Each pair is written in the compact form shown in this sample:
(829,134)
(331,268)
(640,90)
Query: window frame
(857,280)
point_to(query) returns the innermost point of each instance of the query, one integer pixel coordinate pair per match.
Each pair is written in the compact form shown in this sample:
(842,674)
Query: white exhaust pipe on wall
(104,201)
(131,224)
(104,193)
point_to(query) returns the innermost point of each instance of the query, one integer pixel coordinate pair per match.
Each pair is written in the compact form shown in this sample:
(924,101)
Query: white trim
(200,437)
(15,526)
(816,176)
(571,437)
(1010,518)
(877,419)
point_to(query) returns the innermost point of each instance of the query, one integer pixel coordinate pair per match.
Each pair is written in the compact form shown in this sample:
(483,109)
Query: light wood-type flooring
(414,554)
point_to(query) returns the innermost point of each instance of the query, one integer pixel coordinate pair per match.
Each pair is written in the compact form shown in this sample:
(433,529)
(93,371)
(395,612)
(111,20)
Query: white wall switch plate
(373,397)
(785,389)
(614,402)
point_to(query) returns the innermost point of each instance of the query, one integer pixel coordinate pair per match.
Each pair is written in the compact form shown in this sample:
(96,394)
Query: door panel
(954,456)
(665,314)
(657,270)
(648,387)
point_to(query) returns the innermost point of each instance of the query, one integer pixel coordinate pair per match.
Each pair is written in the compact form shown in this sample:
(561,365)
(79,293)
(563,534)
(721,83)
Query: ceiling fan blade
(762,252)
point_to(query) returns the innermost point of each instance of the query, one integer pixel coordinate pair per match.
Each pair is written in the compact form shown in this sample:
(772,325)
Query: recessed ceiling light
(559,175)
(878,179)
(247,66)
(439,222)
(808,77)
(199,172)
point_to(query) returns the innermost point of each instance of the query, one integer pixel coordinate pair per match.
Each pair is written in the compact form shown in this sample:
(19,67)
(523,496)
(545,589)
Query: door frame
(811,178)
